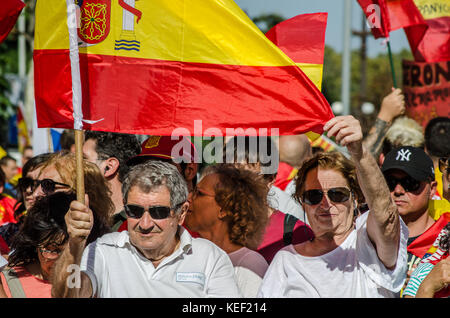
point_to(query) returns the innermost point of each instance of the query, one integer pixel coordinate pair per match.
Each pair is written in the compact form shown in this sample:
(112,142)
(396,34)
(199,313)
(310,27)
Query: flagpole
(391,61)
(346,58)
(77,97)
(50,141)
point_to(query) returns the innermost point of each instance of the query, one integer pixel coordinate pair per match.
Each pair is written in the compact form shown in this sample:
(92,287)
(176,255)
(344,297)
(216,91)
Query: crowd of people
(373,221)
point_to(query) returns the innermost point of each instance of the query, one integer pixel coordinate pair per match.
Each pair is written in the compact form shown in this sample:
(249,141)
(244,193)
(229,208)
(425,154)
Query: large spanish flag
(149,67)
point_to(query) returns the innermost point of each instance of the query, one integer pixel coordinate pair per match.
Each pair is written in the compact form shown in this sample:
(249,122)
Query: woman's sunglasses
(157,212)
(408,184)
(336,195)
(48,185)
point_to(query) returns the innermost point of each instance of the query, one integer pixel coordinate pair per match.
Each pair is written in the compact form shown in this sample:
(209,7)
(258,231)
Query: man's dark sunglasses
(48,185)
(336,195)
(408,183)
(157,212)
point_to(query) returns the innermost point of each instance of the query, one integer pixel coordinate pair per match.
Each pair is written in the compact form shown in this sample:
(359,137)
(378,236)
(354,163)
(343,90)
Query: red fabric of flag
(385,16)
(377,17)
(9,12)
(434,44)
(302,37)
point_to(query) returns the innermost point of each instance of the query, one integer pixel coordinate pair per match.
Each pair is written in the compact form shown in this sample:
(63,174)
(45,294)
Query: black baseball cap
(411,160)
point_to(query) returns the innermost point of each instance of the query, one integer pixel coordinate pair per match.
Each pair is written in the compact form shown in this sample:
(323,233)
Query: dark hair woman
(38,244)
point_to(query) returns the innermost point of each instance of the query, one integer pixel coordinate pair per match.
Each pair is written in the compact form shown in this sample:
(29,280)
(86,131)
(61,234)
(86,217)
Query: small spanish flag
(149,67)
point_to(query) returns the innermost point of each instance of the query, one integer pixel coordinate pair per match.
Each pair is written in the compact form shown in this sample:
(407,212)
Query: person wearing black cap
(409,173)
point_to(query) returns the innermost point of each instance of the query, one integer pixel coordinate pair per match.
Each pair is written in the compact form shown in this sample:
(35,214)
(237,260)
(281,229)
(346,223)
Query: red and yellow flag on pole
(385,16)
(434,45)
(426,24)
(149,67)
(22,130)
(302,38)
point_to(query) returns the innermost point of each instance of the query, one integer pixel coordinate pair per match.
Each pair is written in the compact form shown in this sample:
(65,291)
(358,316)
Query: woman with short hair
(229,208)
(348,257)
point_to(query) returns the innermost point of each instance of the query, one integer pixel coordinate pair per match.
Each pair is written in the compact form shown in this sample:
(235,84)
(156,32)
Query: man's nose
(398,190)
(146,221)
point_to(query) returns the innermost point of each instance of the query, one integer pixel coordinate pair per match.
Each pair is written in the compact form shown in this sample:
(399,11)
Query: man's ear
(191,171)
(111,167)
(184,208)
(433,187)
(381,159)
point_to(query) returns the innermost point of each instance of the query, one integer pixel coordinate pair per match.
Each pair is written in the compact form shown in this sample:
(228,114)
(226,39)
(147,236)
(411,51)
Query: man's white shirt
(198,268)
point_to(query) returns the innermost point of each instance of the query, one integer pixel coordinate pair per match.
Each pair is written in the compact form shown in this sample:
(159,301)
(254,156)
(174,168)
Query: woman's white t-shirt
(353,269)
(249,270)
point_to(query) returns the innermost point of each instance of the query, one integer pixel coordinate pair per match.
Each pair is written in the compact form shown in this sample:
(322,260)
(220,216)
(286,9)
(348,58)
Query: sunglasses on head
(48,185)
(408,184)
(336,195)
(157,212)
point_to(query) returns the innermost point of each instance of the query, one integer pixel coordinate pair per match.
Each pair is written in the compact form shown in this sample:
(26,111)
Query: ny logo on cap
(403,155)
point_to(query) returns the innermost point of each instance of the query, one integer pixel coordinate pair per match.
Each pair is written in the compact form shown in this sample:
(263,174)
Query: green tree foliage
(265,22)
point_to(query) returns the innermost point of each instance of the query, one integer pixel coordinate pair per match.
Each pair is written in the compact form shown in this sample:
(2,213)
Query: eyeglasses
(48,185)
(157,212)
(49,254)
(196,192)
(408,183)
(336,195)
(444,165)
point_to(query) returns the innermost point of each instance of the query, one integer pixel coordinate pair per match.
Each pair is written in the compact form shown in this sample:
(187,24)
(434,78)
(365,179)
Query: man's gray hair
(153,174)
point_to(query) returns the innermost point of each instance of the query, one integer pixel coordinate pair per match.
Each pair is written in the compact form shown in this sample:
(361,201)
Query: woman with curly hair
(229,208)
(431,278)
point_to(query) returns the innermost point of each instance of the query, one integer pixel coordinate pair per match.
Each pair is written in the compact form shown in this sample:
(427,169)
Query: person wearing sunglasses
(38,244)
(58,174)
(349,256)
(156,257)
(25,199)
(229,207)
(409,173)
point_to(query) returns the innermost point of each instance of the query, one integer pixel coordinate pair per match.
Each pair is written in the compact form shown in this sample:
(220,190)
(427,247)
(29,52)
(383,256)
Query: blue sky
(335,9)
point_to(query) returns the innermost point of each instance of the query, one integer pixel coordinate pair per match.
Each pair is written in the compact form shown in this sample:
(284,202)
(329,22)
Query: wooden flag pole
(72,24)
(79,140)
